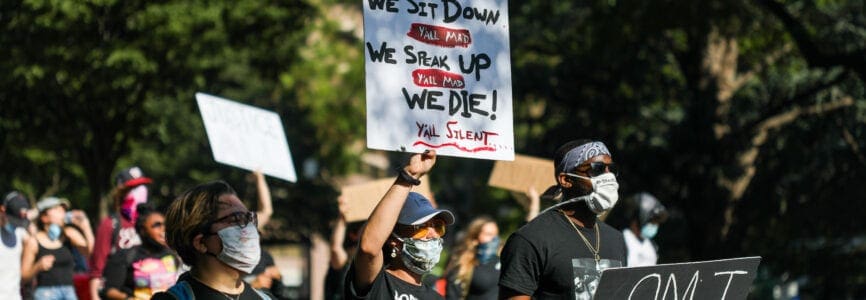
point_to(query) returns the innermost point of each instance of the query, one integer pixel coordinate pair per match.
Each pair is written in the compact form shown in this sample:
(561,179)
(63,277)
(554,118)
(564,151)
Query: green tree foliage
(93,83)
(745,117)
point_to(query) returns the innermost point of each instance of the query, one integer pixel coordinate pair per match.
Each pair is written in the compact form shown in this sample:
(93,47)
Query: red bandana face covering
(136,196)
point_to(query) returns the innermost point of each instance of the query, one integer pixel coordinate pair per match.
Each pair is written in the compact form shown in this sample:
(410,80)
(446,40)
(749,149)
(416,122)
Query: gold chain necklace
(585,240)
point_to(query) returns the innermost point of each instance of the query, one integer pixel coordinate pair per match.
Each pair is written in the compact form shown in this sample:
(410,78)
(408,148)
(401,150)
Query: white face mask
(241,249)
(604,193)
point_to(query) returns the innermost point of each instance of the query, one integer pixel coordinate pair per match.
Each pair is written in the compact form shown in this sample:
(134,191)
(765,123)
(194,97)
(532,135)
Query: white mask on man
(604,193)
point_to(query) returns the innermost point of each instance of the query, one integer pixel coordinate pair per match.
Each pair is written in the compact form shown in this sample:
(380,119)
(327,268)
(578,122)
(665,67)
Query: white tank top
(10,278)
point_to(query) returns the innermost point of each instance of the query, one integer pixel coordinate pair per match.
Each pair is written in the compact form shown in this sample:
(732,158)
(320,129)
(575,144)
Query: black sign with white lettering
(717,279)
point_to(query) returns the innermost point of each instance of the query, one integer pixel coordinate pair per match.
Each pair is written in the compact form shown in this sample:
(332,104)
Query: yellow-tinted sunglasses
(421,231)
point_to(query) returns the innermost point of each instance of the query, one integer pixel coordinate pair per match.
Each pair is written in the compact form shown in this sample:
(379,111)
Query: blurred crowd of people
(54,253)
(206,243)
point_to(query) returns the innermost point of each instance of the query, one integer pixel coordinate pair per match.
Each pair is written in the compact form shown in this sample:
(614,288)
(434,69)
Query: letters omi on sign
(719,279)
(246,137)
(438,76)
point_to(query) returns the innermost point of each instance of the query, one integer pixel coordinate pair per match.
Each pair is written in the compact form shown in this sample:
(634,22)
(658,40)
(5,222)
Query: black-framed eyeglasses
(597,168)
(240,219)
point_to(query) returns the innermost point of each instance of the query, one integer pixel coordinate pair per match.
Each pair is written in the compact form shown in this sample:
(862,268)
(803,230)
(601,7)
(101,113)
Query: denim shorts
(57,292)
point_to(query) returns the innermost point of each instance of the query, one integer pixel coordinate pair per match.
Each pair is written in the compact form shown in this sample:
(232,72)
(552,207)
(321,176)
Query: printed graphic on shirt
(406,296)
(587,273)
(153,275)
(127,238)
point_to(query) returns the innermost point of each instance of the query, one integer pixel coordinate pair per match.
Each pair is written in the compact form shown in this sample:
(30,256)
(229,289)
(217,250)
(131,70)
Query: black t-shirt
(547,259)
(483,286)
(141,271)
(202,291)
(387,286)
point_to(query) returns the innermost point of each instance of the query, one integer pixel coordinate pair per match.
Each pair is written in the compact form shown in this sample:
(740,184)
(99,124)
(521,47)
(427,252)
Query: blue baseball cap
(417,210)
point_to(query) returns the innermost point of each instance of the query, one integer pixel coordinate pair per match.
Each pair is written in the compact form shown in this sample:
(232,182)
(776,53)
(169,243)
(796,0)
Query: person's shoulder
(163,296)
(21,233)
(542,223)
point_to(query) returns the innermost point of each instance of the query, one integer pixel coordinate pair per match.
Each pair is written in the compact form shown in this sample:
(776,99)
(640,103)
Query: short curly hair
(189,213)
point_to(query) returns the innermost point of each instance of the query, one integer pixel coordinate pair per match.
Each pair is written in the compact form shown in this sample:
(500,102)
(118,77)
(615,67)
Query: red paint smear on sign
(464,149)
(437,78)
(440,36)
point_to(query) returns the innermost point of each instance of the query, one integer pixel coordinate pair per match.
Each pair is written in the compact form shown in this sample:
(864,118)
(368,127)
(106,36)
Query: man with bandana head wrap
(560,253)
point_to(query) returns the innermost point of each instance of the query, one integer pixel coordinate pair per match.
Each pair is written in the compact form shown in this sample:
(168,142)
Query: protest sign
(438,76)
(246,136)
(726,279)
(362,198)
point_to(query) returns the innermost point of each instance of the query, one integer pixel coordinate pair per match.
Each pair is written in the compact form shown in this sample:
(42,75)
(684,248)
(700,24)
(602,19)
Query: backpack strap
(182,291)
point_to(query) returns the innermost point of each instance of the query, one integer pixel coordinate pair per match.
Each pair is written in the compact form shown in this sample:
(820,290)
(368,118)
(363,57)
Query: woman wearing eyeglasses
(215,234)
(401,242)
(141,271)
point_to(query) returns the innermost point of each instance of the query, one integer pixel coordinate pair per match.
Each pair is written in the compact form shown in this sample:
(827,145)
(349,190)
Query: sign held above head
(246,136)
(438,76)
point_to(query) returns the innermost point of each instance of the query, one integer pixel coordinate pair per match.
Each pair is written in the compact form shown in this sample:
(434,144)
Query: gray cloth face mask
(420,256)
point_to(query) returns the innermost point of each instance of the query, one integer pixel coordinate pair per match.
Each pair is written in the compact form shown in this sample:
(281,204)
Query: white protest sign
(438,77)
(246,136)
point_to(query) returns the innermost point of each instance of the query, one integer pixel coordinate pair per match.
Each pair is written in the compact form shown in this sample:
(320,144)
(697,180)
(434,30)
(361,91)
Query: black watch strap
(404,176)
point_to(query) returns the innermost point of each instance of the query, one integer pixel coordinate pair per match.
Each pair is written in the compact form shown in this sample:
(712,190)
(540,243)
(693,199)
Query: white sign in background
(246,136)
(438,76)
